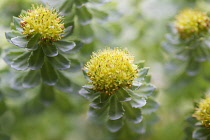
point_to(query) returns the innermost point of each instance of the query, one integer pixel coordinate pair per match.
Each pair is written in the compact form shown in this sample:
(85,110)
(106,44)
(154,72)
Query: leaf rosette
(124,104)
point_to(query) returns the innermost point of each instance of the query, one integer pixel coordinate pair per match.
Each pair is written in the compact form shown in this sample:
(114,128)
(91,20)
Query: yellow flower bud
(111,69)
(202,113)
(191,22)
(46,22)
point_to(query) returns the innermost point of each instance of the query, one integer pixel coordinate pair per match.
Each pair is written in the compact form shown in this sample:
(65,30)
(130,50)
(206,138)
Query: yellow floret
(191,22)
(111,69)
(202,113)
(43,21)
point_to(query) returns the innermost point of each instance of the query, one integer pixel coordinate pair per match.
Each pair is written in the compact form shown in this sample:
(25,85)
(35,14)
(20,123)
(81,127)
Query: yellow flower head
(111,69)
(191,22)
(46,22)
(202,113)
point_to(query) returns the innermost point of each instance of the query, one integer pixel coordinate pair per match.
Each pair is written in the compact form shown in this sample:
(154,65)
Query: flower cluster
(202,113)
(111,69)
(191,22)
(43,21)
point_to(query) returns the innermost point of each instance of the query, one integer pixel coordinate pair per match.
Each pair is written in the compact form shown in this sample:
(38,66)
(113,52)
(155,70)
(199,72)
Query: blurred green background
(137,25)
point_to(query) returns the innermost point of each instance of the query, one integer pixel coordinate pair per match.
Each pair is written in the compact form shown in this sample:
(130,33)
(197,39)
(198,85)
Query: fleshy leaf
(201,133)
(104,97)
(31,79)
(68,31)
(89,95)
(96,104)
(16,22)
(84,15)
(48,73)
(80,3)
(142,73)
(123,95)
(20,41)
(85,33)
(59,62)
(63,83)
(132,114)
(99,114)
(13,34)
(99,15)
(137,127)
(85,74)
(151,106)
(65,45)
(116,110)
(136,85)
(140,64)
(145,90)
(36,60)
(138,102)
(21,62)
(9,55)
(50,50)
(114,125)
(33,42)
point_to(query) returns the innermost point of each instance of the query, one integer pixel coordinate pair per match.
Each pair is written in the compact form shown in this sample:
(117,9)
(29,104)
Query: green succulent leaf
(63,83)
(68,31)
(13,34)
(193,68)
(36,60)
(18,82)
(89,95)
(47,94)
(104,97)
(96,104)
(137,127)
(201,133)
(123,95)
(20,41)
(142,73)
(85,74)
(114,125)
(85,33)
(16,22)
(50,50)
(99,15)
(138,102)
(31,79)
(145,90)
(140,64)
(9,55)
(135,85)
(21,62)
(116,110)
(84,15)
(33,42)
(80,3)
(132,114)
(65,45)
(98,114)
(59,62)
(151,106)
(48,73)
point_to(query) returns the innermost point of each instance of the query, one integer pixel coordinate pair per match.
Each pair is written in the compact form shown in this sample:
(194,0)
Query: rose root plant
(200,120)
(188,41)
(40,33)
(118,89)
